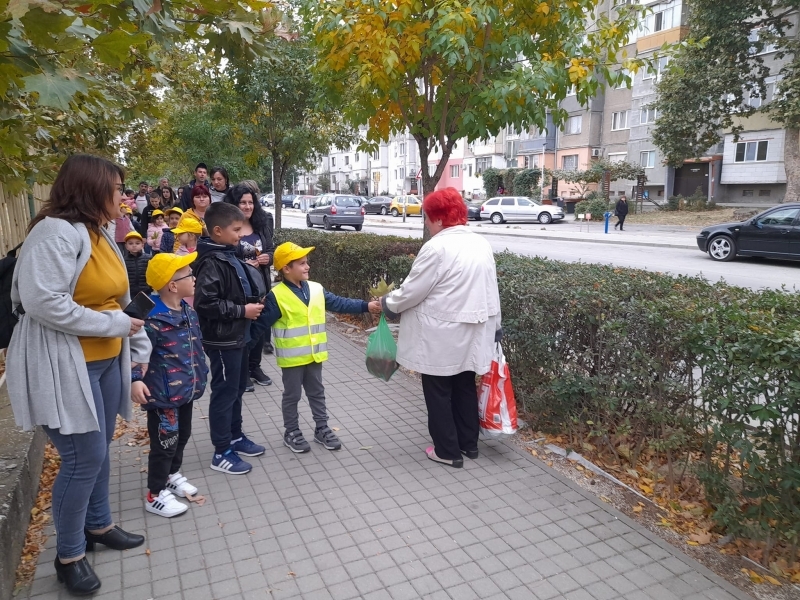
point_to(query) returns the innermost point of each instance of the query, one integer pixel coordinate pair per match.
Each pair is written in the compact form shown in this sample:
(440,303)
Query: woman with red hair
(450,308)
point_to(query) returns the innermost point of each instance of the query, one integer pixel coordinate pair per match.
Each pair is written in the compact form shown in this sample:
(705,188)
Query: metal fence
(16,211)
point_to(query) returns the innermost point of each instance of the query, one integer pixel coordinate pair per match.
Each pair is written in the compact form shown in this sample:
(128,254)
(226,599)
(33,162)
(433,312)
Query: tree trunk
(791,162)
(429,182)
(278,173)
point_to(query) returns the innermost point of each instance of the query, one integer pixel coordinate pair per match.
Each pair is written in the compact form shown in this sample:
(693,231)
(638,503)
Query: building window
(764,193)
(455,170)
(747,193)
(376,155)
(573,125)
(648,115)
(755,38)
(751,151)
(624,79)
(658,69)
(356,158)
(663,16)
(617,157)
(402,172)
(333,161)
(569,162)
(648,159)
(402,148)
(619,120)
(572,91)
(395,173)
(753,98)
(469,170)
(346,159)
(482,163)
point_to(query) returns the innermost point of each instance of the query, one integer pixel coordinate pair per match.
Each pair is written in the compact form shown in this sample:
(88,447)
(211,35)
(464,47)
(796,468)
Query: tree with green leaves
(705,92)
(74,73)
(284,113)
(446,70)
(584,179)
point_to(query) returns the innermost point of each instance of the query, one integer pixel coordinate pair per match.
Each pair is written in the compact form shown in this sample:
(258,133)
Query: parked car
(378,205)
(519,208)
(335,210)
(287,201)
(473,211)
(775,233)
(412,204)
(303,202)
(267,200)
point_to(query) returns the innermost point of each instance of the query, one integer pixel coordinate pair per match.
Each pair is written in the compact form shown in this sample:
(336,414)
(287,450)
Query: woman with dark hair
(450,307)
(70,357)
(256,248)
(168,197)
(220,184)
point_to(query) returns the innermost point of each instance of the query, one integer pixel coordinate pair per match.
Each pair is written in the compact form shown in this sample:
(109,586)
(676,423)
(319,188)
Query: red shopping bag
(496,405)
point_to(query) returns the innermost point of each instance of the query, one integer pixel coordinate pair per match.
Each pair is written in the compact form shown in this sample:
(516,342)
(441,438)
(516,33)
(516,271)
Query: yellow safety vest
(299,335)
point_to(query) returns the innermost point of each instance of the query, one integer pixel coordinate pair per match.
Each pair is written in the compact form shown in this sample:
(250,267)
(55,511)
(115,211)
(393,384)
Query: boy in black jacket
(136,263)
(228,296)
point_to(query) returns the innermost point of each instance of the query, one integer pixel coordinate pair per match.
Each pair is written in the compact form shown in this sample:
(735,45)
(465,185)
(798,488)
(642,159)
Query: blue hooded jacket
(178,372)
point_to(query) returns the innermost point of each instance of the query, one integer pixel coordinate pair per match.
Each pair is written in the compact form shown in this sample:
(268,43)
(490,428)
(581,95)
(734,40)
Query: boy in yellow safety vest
(295,309)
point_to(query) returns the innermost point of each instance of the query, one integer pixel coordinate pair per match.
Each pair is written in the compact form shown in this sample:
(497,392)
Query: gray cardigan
(47,377)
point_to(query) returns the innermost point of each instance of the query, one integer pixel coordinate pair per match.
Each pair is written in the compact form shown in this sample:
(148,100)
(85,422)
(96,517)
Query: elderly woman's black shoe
(115,538)
(79,577)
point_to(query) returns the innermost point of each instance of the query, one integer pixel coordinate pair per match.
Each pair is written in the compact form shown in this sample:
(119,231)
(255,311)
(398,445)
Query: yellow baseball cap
(157,212)
(163,266)
(133,234)
(189,226)
(287,252)
(174,209)
(125,208)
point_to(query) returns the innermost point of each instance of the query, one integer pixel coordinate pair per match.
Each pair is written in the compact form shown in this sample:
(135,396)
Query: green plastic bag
(382,352)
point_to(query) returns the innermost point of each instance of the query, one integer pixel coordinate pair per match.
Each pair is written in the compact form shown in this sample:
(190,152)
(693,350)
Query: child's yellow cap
(174,209)
(133,234)
(189,226)
(157,213)
(287,252)
(162,268)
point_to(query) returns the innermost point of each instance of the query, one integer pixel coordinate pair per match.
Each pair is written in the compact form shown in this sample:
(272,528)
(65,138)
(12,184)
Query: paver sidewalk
(381,522)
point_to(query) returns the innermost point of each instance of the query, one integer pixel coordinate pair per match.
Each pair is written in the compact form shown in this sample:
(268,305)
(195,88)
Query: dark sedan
(473,211)
(775,233)
(287,201)
(335,210)
(378,205)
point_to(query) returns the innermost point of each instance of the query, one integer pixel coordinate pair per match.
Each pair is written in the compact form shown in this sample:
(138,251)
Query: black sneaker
(327,438)
(268,348)
(258,376)
(295,441)
(249,387)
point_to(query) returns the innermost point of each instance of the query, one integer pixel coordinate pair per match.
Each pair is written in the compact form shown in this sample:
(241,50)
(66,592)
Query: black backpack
(7,317)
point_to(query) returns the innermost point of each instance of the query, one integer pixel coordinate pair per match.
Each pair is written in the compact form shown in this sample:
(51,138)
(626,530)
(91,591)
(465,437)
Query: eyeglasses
(184,277)
(120,187)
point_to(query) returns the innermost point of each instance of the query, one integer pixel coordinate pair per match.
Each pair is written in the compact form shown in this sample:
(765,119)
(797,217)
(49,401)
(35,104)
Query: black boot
(115,538)
(79,577)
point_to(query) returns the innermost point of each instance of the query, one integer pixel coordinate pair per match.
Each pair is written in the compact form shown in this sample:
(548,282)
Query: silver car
(519,208)
(335,210)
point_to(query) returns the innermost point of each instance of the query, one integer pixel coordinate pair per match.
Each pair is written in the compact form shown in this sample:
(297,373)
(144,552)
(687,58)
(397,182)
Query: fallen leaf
(199,500)
(549,463)
(645,488)
(534,452)
(632,473)
(604,499)
(147,552)
(796,578)
(292,574)
(692,543)
(580,468)
(772,580)
(203,417)
(702,538)
(365,448)
(334,429)
(637,509)
(143,470)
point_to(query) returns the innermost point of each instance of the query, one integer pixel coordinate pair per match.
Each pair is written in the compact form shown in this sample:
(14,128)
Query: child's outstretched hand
(139,392)
(375,307)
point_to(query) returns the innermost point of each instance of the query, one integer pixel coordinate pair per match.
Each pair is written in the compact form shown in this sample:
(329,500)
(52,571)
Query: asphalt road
(746,272)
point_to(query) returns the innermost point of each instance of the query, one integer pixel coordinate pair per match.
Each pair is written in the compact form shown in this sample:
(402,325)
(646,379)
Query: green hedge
(638,365)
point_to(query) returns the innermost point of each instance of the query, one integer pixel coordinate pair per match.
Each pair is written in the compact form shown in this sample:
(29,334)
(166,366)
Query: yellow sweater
(100,285)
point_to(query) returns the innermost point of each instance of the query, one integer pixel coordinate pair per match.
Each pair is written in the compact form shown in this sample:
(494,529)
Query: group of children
(230,297)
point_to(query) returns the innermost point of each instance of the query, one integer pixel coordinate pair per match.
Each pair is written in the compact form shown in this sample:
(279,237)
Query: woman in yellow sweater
(70,357)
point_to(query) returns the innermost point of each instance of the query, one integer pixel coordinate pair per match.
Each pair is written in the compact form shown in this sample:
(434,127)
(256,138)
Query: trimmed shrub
(526,182)
(596,207)
(492,180)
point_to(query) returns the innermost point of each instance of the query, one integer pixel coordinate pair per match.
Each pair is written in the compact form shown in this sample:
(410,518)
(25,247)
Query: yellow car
(412,204)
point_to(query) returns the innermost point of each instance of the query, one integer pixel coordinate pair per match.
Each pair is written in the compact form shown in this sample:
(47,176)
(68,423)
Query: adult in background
(142,199)
(70,357)
(199,202)
(450,307)
(168,196)
(622,211)
(220,184)
(200,178)
(256,248)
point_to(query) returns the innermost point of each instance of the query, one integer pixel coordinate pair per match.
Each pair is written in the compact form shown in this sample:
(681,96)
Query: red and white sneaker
(165,505)
(180,486)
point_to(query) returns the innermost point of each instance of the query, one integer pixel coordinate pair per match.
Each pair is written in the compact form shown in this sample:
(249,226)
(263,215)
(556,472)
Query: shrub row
(639,364)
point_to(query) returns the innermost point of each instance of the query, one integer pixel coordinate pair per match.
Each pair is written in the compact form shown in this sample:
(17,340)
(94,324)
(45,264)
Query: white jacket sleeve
(417,286)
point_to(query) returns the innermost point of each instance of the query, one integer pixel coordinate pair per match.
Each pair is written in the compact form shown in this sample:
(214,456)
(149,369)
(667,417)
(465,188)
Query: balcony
(656,40)
(535,146)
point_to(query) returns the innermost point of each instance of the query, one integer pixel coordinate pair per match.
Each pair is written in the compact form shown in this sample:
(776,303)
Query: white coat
(450,306)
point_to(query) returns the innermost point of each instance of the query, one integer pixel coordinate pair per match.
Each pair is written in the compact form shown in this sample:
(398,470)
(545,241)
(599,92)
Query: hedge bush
(595,207)
(638,365)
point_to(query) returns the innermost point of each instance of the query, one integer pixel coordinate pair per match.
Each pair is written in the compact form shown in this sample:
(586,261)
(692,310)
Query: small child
(175,378)
(136,263)
(155,230)
(295,309)
(186,236)
(168,238)
(124,226)
(227,298)
(147,213)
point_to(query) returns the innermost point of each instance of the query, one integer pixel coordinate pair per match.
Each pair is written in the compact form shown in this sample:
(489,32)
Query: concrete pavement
(376,520)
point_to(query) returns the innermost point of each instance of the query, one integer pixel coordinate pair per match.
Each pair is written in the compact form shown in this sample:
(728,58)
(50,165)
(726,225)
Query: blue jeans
(229,376)
(80,490)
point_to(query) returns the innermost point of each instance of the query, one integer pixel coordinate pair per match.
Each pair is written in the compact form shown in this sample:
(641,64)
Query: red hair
(446,206)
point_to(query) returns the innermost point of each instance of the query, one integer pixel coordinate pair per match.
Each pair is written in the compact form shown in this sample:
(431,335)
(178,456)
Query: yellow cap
(287,252)
(157,212)
(133,234)
(189,226)
(174,209)
(163,266)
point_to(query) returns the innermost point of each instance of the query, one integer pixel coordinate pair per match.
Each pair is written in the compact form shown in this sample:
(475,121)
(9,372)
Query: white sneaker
(165,505)
(180,486)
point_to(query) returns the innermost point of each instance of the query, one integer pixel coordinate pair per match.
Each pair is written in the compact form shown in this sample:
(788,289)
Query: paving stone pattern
(379,523)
